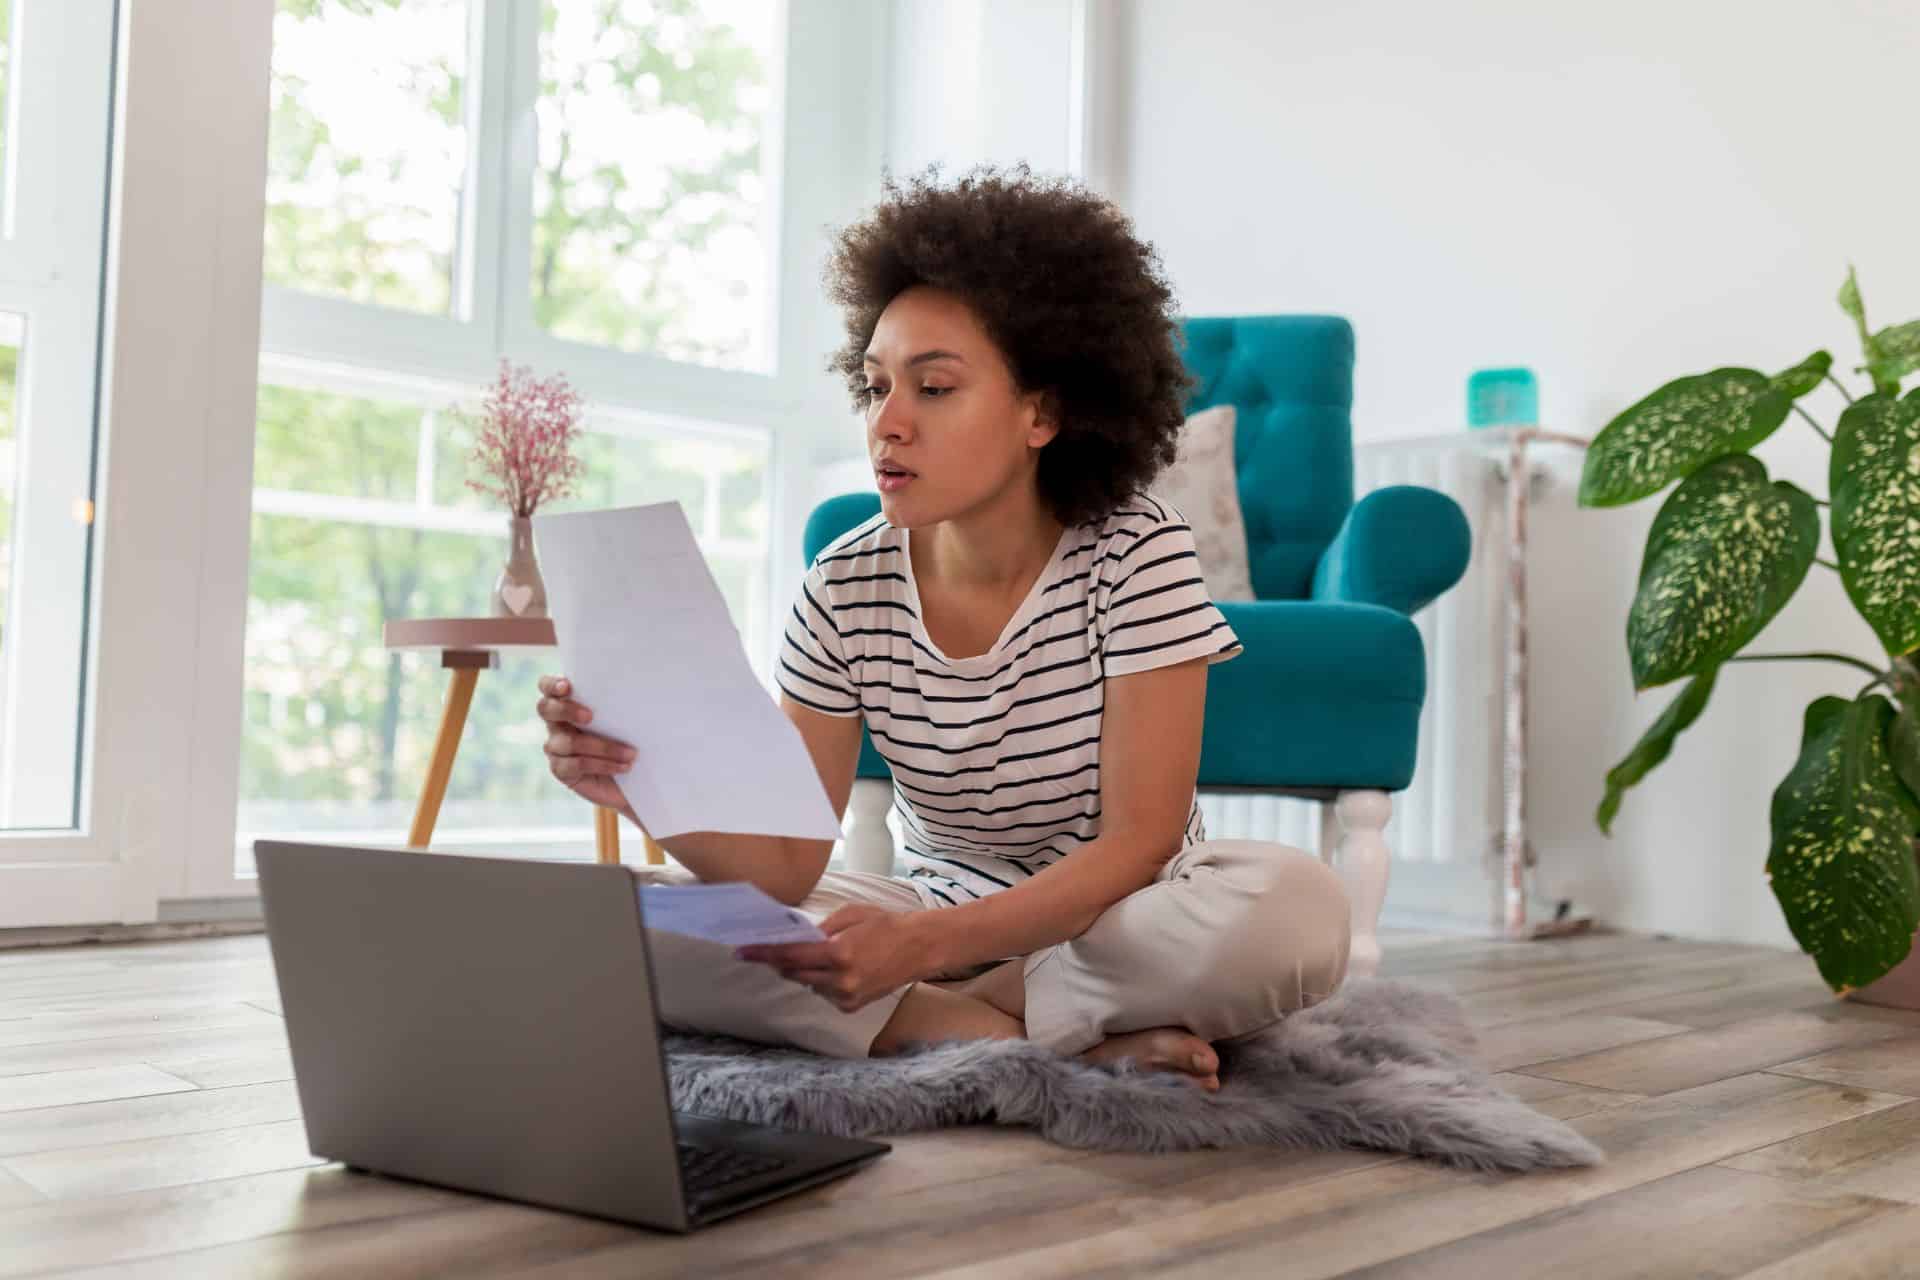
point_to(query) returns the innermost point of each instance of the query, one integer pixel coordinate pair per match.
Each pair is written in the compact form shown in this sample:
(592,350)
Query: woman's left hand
(869,951)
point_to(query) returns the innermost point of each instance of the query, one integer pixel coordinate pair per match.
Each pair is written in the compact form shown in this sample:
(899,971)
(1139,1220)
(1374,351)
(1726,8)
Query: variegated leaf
(1842,861)
(1849,299)
(1726,552)
(1804,376)
(1903,742)
(1896,352)
(1682,425)
(1875,481)
(1654,744)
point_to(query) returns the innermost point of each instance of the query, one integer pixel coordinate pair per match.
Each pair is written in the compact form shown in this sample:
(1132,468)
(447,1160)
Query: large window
(590,187)
(54,150)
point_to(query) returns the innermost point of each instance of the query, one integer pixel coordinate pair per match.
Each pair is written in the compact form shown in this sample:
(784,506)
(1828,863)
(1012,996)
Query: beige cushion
(1201,485)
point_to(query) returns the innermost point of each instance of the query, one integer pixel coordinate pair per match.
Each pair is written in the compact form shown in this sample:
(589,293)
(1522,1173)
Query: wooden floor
(1754,1127)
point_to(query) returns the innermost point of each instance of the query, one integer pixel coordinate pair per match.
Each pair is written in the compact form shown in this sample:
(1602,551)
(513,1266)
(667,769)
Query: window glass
(367,150)
(651,227)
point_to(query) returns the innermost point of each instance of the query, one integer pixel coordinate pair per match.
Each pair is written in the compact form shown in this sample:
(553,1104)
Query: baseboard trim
(179,918)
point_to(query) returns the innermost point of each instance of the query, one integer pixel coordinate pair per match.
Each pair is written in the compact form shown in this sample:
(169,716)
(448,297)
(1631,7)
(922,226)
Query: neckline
(1021,616)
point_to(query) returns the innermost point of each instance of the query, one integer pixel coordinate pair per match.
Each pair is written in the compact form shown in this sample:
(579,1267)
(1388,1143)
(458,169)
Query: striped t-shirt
(996,757)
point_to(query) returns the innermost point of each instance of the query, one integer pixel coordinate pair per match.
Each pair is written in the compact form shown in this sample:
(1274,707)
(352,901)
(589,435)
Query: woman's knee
(1293,933)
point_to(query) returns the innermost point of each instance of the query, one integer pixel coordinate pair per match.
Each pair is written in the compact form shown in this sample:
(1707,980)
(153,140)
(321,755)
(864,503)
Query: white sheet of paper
(735,913)
(647,643)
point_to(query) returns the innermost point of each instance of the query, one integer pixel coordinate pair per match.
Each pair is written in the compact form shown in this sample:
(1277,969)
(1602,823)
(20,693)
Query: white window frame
(60,75)
(179,329)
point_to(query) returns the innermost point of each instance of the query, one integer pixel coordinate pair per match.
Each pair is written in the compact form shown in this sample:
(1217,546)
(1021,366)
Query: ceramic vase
(519,592)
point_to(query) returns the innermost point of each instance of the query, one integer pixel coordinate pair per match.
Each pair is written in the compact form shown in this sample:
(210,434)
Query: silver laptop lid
(425,1045)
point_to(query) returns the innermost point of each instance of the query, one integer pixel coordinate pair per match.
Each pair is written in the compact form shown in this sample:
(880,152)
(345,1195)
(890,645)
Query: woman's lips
(891,482)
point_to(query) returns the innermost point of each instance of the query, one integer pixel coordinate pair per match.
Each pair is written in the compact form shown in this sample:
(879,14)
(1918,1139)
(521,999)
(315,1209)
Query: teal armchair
(1325,701)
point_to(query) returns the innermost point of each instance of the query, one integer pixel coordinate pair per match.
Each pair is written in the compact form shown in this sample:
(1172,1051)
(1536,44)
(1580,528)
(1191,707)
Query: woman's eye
(867,393)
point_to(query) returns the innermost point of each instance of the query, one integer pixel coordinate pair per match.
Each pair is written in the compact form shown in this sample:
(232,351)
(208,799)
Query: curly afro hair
(1076,304)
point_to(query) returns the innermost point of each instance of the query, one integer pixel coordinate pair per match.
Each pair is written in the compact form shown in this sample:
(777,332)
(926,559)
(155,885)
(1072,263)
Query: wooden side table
(468,646)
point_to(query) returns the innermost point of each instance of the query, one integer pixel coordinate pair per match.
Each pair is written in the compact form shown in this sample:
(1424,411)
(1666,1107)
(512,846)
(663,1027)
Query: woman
(1025,633)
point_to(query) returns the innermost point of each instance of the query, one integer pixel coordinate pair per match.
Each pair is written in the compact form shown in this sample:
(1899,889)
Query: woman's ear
(1046,419)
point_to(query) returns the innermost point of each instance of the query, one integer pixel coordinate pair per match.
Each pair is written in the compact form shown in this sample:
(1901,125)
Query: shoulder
(1143,527)
(857,571)
(870,546)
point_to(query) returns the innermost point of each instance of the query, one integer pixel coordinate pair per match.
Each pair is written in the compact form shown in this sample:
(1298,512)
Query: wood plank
(1889,1066)
(125,1120)
(1584,993)
(225,1070)
(1334,1225)
(1877,1157)
(999,1214)
(154,1050)
(1524,1044)
(1558,1099)
(1883,1246)
(1764,995)
(176,1160)
(88,1084)
(145,1224)
(60,1028)
(1707,1222)
(480,1238)
(1692,1058)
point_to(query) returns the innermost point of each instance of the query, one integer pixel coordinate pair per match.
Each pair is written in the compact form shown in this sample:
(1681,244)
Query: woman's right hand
(586,762)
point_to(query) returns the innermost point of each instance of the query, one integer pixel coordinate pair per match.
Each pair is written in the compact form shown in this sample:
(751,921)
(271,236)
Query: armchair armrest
(1401,547)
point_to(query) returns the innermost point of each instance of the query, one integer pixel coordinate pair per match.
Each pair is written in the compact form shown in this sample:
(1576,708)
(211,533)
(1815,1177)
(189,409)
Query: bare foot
(1172,1049)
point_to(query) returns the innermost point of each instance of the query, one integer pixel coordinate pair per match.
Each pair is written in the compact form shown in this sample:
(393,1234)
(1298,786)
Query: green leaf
(1726,552)
(1842,859)
(1654,744)
(1903,743)
(1687,422)
(1849,299)
(1803,377)
(1896,352)
(1874,476)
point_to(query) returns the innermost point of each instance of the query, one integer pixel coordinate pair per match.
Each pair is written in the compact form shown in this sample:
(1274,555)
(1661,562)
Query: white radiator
(1445,830)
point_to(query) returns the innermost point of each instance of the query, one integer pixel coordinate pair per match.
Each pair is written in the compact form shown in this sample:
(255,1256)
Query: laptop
(489,1024)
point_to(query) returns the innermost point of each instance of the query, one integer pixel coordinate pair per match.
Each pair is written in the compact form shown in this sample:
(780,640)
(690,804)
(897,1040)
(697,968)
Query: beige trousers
(1230,937)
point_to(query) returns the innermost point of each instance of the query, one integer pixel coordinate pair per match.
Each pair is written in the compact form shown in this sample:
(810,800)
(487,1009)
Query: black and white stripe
(995,757)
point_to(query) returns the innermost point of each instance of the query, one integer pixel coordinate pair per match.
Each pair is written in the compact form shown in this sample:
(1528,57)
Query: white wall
(1613,195)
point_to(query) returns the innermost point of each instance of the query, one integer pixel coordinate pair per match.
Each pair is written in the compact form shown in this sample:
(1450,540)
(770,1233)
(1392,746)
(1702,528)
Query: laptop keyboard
(706,1169)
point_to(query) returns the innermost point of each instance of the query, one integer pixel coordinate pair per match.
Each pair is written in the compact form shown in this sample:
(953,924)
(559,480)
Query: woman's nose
(894,418)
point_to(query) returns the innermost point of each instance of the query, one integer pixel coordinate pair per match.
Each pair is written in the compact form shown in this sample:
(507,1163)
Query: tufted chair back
(1290,381)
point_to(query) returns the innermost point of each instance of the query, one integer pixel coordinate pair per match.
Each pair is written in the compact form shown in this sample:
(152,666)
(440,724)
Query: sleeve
(813,669)
(1158,611)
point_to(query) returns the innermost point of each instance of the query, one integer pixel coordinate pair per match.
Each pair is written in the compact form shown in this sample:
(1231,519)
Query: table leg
(606,834)
(606,839)
(453,720)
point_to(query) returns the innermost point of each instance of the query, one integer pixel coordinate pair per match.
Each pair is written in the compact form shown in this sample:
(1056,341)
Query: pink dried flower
(526,430)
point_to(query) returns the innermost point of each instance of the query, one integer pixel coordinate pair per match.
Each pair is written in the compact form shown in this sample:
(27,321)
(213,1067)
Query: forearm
(1058,904)
(784,867)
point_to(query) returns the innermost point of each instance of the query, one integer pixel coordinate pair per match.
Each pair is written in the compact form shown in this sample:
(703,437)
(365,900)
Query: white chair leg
(1363,863)
(869,841)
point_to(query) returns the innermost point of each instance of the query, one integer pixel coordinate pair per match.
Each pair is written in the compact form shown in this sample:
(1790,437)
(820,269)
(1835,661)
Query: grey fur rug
(1383,1065)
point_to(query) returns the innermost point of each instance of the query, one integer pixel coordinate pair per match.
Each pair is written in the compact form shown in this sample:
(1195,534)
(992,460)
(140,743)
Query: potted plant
(524,437)
(1727,550)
